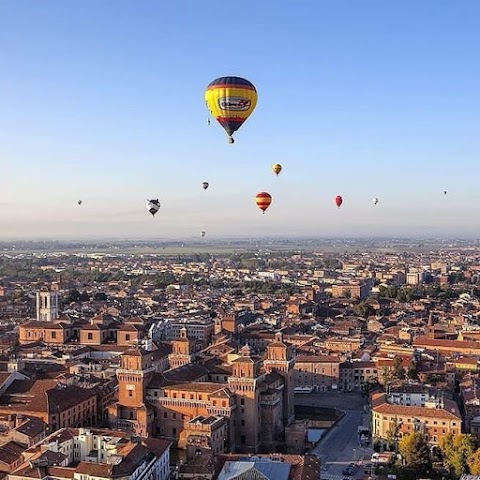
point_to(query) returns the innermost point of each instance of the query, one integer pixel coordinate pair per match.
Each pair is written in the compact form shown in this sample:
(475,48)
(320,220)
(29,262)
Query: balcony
(128,425)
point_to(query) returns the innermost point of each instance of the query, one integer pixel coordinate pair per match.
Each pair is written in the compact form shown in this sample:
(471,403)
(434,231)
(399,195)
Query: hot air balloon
(205,185)
(231,100)
(202,233)
(277,168)
(338,201)
(153,206)
(79,202)
(444,192)
(375,200)
(263,200)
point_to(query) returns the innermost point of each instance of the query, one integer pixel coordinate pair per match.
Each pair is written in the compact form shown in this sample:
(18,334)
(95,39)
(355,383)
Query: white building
(92,454)
(47,305)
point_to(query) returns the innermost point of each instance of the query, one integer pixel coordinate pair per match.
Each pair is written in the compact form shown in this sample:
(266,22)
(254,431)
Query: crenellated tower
(181,350)
(244,383)
(281,359)
(131,413)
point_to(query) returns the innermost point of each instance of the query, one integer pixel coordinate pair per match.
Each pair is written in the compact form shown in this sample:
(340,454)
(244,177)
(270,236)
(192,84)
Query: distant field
(219,247)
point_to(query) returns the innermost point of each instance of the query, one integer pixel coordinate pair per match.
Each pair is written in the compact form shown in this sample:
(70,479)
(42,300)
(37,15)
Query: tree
(398,370)
(414,450)
(457,451)
(392,434)
(84,297)
(474,463)
(412,371)
(100,296)
(72,296)
(386,375)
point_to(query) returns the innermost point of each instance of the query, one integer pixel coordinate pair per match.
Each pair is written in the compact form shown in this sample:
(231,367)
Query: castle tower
(281,359)
(181,350)
(47,305)
(244,383)
(131,413)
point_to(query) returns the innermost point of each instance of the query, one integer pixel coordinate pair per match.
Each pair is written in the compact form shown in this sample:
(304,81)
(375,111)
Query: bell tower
(281,359)
(47,305)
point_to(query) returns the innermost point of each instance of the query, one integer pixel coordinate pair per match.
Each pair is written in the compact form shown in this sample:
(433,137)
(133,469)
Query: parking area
(341,400)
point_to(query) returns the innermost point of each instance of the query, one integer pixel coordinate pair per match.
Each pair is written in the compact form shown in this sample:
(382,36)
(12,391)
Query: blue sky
(104,101)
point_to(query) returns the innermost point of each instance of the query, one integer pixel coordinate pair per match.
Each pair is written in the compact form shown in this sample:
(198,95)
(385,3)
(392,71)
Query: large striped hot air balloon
(231,100)
(263,200)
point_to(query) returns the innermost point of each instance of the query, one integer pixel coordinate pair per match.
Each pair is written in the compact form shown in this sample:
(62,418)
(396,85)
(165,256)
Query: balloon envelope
(338,201)
(263,200)
(231,100)
(202,233)
(79,202)
(375,200)
(277,168)
(153,206)
(205,185)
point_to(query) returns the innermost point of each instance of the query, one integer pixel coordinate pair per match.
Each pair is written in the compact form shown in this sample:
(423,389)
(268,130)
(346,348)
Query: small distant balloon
(153,206)
(444,192)
(338,201)
(205,185)
(202,233)
(80,202)
(375,200)
(277,168)
(263,201)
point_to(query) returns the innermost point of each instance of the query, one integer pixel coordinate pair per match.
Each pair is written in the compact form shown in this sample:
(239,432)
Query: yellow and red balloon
(231,100)
(263,200)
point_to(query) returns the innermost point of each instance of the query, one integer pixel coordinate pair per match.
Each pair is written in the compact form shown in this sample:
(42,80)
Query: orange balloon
(263,200)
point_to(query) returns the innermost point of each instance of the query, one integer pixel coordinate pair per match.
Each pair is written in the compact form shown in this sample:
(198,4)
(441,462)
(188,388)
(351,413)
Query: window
(242,439)
(165,415)
(127,337)
(54,334)
(130,393)
(90,336)
(174,416)
(242,401)
(243,423)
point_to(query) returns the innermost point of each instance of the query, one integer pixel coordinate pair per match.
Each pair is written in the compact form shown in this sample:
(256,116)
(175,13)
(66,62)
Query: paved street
(340,445)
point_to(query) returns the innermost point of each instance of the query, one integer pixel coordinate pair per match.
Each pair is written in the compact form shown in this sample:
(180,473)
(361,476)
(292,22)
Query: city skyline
(104,103)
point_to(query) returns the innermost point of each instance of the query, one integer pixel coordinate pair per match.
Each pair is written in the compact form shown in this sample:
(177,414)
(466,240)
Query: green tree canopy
(457,450)
(474,463)
(415,451)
